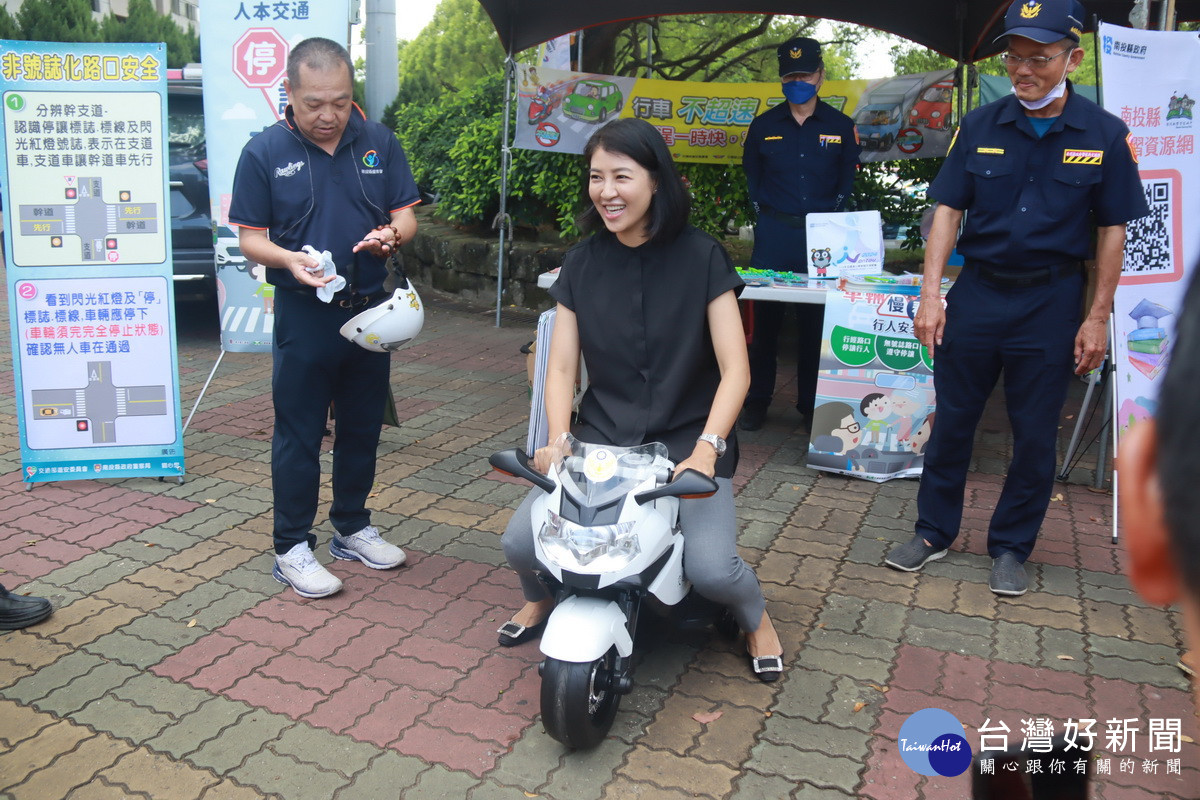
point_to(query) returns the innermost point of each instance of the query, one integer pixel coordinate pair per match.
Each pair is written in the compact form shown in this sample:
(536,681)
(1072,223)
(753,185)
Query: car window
(185,121)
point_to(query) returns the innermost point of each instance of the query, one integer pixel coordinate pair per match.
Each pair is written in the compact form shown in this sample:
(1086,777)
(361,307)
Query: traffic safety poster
(87,236)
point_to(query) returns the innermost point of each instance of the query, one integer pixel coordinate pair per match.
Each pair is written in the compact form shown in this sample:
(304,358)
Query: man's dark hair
(317,54)
(1178,437)
(641,141)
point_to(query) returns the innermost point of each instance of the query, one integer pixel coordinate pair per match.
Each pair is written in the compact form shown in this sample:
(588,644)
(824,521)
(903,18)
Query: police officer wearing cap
(800,157)
(326,177)
(1027,176)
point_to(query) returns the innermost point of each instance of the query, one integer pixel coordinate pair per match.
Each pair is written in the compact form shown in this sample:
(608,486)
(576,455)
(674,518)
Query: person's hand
(1091,343)
(380,242)
(299,263)
(544,457)
(703,459)
(930,322)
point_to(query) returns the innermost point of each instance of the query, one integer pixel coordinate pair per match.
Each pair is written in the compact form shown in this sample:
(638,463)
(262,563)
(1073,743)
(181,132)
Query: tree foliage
(456,49)
(72,21)
(144,24)
(57,21)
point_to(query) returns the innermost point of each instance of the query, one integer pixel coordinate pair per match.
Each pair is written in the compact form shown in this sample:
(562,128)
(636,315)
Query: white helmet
(389,325)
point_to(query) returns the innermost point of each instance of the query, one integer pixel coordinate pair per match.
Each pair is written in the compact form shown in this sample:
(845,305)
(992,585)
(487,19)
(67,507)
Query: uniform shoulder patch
(1091,157)
(1133,151)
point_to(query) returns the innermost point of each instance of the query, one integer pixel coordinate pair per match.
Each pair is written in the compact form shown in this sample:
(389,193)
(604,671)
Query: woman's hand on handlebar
(703,459)
(544,457)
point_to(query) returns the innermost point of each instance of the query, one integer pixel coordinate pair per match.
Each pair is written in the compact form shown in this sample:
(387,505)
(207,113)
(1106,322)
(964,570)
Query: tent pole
(503,221)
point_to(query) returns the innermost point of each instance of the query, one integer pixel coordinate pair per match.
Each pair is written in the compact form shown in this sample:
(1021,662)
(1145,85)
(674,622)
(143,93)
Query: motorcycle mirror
(687,484)
(515,463)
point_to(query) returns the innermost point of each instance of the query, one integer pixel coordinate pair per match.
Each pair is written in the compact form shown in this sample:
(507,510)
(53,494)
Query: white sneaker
(299,569)
(368,547)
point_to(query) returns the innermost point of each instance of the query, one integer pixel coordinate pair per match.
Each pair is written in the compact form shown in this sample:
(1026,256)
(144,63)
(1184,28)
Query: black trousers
(1028,336)
(313,367)
(764,352)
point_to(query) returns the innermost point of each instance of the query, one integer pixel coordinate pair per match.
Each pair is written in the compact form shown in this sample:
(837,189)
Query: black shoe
(753,416)
(514,633)
(767,669)
(17,611)
(913,555)
(1008,576)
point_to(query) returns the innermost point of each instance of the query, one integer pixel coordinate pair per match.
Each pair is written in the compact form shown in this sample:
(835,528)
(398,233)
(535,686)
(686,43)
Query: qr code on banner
(1148,241)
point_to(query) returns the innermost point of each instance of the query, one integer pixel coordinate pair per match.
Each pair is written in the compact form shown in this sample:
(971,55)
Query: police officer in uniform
(1031,173)
(327,177)
(799,157)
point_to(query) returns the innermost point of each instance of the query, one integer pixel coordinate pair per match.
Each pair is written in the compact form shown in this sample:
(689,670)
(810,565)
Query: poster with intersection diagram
(87,254)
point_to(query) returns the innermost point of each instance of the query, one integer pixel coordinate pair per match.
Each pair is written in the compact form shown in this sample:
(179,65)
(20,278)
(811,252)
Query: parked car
(192,254)
(593,101)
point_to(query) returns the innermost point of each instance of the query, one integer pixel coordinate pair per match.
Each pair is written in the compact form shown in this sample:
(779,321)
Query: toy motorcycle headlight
(599,547)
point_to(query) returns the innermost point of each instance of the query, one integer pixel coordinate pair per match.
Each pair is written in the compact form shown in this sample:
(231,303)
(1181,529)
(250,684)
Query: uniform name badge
(1093,157)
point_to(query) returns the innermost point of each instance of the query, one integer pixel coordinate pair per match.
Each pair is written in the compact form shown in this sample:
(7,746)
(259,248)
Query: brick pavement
(175,667)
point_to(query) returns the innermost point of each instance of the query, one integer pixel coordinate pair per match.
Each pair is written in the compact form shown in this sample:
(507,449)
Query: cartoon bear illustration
(822,257)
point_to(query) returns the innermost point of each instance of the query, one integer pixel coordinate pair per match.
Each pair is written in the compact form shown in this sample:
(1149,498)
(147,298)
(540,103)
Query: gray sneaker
(1008,576)
(368,547)
(913,555)
(299,569)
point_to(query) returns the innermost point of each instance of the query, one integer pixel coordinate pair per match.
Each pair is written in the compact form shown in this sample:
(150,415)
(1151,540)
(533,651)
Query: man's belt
(1021,278)
(357,302)
(791,220)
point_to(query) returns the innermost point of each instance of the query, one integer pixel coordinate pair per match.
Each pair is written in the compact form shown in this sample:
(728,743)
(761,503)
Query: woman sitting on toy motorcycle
(652,304)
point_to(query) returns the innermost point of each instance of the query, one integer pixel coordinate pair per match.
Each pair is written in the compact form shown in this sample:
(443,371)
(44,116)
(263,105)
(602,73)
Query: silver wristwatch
(716,441)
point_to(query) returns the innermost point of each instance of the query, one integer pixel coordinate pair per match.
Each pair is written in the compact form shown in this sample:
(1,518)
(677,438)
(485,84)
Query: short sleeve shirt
(1031,201)
(643,329)
(302,195)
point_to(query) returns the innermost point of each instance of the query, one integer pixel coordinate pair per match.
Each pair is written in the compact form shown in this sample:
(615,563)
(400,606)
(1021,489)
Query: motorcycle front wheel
(578,706)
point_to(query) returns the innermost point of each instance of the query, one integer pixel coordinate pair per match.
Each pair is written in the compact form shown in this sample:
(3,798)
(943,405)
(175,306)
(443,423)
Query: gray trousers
(710,557)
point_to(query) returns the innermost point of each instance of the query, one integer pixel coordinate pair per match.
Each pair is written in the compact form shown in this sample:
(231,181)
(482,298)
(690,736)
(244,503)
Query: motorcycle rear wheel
(577,706)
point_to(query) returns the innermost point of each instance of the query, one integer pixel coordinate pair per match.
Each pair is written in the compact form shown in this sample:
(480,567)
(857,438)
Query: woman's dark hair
(641,141)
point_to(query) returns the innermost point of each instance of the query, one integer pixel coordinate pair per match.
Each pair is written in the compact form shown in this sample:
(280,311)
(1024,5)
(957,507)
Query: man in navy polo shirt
(326,177)
(800,156)
(1031,173)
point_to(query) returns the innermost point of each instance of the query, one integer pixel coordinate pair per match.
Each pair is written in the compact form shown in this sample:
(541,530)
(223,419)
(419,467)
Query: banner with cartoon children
(875,399)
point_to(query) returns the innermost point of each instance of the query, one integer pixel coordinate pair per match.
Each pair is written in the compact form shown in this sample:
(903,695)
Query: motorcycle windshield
(596,474)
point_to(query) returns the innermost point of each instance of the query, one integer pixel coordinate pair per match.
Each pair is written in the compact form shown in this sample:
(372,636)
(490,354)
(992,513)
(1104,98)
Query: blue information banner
(88,245)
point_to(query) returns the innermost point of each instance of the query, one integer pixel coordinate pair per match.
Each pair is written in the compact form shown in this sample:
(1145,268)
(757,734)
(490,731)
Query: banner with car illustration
(902,117)
(875,401)
(244,48)
(88,239)
(1152,82)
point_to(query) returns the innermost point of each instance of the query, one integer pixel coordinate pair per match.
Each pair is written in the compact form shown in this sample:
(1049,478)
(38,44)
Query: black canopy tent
(964,30)
(961,29)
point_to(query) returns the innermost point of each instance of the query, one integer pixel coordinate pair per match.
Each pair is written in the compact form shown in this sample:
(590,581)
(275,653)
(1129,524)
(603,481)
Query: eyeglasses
(1037,62)
(853,427)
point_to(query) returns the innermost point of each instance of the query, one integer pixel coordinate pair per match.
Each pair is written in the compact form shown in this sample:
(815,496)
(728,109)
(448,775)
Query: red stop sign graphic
(260,58)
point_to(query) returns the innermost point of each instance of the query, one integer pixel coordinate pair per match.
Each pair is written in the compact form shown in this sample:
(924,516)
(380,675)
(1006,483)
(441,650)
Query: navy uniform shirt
(301,195)
(643,329)
(1031,202)
(796,169)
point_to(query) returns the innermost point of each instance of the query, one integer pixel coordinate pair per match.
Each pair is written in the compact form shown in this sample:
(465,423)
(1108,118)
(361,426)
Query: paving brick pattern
(176,667)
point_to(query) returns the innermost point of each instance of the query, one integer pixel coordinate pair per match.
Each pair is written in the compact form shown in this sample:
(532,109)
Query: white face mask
(1058,91)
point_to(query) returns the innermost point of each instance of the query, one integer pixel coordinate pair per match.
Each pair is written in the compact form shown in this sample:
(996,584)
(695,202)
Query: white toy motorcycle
(606,539)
